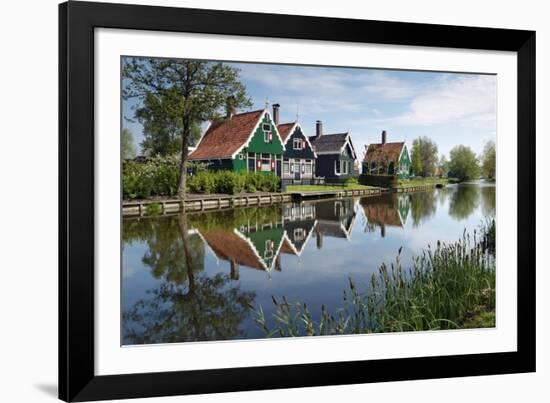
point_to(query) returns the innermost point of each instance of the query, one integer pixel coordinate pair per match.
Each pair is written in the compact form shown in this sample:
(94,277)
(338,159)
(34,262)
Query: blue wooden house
(335,154)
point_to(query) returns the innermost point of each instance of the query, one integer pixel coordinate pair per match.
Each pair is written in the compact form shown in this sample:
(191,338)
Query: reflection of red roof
(229,246)
(285,129)
(381,210)
(224,138)
(384,152)
(287,248)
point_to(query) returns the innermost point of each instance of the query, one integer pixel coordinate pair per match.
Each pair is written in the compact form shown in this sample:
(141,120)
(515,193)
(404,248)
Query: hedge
(159,177)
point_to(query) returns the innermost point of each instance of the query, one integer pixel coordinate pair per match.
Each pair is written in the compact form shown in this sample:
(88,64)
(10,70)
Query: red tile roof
(224,138)
(284,130)
(384,152)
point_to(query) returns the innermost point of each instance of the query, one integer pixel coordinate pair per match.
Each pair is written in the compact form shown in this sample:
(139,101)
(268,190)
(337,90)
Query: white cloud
(451,100)
(318,90)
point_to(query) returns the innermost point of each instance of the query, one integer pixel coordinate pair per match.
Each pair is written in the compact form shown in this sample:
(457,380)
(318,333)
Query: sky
(449,108)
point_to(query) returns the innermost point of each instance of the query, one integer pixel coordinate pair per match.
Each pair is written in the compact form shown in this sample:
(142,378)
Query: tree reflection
(188,305)
(488,200)
(464,201)
(423,206)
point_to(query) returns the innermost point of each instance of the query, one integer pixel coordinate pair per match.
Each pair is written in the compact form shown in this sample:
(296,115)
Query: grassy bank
(404,183)
(450,286)
(321,188)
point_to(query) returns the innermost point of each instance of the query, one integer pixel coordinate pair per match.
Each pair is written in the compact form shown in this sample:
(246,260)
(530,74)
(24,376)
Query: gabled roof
(225,138)
(331,143)
(286,129)
(229,245)
(384,152)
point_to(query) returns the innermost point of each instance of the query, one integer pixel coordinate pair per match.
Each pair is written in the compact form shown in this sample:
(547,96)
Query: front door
(297,170)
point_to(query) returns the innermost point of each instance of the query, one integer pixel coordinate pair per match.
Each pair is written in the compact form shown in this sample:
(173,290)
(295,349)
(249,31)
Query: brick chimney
(318,128)
(383,137)
(276,113)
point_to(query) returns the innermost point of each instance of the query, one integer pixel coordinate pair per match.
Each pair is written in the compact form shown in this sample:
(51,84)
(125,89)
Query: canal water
(203,276)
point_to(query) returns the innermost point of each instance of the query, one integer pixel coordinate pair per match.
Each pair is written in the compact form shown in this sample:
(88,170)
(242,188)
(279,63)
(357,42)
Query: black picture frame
(77,21)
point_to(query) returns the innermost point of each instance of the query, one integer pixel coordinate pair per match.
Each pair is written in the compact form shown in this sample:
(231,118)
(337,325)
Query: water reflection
(388,210)
(197,277)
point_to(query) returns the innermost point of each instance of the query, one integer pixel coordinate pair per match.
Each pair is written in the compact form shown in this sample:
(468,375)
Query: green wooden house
(246,141)
(387,159)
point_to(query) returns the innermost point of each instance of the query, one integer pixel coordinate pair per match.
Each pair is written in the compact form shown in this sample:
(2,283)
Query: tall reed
(442,289)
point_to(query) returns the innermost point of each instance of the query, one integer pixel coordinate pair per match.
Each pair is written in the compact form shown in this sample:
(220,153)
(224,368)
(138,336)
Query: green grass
(451,286)
(421,182)
(320,188)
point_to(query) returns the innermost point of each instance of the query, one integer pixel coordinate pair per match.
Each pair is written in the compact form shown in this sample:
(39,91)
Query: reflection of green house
(243,142)
(256,247)
(387,159)
(387,210)
(299,223)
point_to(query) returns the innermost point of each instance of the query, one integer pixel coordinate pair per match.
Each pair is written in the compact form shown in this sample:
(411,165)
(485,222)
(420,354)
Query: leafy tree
(443,165)
(202,87)
(488,160)
(127,145)
(416,161)
(162,125)
(424,156)
(463,163)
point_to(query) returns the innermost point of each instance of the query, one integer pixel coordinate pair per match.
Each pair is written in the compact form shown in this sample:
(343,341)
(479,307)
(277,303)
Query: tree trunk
(182,183)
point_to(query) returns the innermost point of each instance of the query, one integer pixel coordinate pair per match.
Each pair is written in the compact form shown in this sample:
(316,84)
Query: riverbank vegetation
(451,286)
(421,182)
(159,176)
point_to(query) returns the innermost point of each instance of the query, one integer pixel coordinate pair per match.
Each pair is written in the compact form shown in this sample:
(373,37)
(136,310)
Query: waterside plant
(450,286)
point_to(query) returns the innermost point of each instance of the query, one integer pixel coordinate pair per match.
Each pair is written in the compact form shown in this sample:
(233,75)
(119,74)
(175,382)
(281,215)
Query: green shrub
(351,181)
(159,177)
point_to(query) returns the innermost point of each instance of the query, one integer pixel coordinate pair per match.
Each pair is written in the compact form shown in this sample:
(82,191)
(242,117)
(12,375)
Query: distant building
(387,159)
(335,154)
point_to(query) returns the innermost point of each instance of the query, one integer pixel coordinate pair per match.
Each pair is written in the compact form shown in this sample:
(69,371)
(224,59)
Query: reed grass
(450,286)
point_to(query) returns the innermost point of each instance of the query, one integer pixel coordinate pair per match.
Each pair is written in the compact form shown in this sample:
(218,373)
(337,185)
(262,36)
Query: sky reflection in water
(196,278)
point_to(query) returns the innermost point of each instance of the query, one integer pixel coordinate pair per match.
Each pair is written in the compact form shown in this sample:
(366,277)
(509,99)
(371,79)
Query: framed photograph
(257,201)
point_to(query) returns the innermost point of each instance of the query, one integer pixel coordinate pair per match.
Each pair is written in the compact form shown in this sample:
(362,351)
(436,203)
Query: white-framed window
(341,167)
(308,168)
(266,165)
(299,234)
(269,244)
(286,168)
(268,135)
(241,156)
(297,144)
